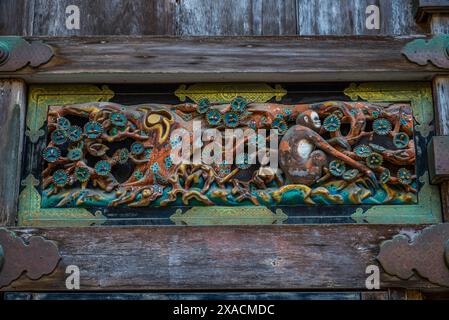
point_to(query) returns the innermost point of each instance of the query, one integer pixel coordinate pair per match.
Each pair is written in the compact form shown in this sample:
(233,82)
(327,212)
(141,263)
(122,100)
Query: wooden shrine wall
(205,17)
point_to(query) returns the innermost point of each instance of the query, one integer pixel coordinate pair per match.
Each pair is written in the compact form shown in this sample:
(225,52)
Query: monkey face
(316,122)
(309,119)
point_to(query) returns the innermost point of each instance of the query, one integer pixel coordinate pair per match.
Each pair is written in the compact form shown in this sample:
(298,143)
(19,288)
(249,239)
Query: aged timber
(199,59)
(426,8)
(276,257)
(34,258)
(427,255)
(12,123)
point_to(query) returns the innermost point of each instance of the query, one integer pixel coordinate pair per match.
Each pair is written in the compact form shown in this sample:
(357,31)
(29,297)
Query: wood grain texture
(12,122)
(427,8)
(105,17)
(200,59)
(441,100)
(347,17)
(439,23)
(16,17)
(219,257)
(187,296)
(236,17)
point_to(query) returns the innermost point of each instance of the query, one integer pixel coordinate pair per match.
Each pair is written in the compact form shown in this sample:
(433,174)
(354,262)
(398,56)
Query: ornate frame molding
(428,209)
(40,97)
(419,94)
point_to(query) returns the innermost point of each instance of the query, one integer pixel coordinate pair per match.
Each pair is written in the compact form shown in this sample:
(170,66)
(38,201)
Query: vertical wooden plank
(12,123)
(441,100)
(414,295)
(439,23)
(16,17)
(441,97)
(106,17)
(348,17)
(235,17)
(397,294)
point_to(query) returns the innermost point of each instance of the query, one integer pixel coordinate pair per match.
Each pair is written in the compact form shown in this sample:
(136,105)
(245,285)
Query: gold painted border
(419,95)
(40,98)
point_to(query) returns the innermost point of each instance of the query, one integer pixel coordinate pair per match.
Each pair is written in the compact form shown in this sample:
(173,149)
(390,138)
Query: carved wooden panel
(99,160)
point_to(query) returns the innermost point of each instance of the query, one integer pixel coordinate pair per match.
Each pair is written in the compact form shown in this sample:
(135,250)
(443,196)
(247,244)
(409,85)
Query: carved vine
(105,154)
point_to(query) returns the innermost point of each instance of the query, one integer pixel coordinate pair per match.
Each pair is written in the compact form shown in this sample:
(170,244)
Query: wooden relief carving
(426,255)
(110,155)
(16,53)
(435,50)
(36,258)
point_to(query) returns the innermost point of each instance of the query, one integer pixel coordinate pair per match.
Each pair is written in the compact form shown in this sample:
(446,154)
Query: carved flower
(363,150)
(332,123)
(238,104)
(405,176)
(231,119)
(374,160)
(401,140)
(203,106)
(213,117)
(337,168)
(382,126)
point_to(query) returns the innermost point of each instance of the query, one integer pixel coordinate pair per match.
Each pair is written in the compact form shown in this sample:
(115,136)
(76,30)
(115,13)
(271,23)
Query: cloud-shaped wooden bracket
(16,53)
(435,50)
(427,255)
(36,258)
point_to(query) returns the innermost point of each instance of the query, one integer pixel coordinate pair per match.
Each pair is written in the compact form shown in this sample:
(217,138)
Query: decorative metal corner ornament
(427,255)
(16,53)
(37,258)
(435,50)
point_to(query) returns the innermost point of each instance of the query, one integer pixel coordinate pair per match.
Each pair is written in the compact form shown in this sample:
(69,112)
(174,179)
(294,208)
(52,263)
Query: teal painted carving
(40,97)
(419,95)
(435,50)
(16,53)
(329,153)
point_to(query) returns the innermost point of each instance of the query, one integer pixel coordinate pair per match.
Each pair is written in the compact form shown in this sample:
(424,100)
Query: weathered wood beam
(427,8)
(12,123)
(439,23)
(200,59)
(219,257)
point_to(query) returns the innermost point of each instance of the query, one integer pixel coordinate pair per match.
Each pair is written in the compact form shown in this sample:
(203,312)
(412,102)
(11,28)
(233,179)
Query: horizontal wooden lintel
(294,257)
(152,59)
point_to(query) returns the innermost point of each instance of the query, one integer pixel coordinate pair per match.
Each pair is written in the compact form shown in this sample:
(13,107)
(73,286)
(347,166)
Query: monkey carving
(303,153)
